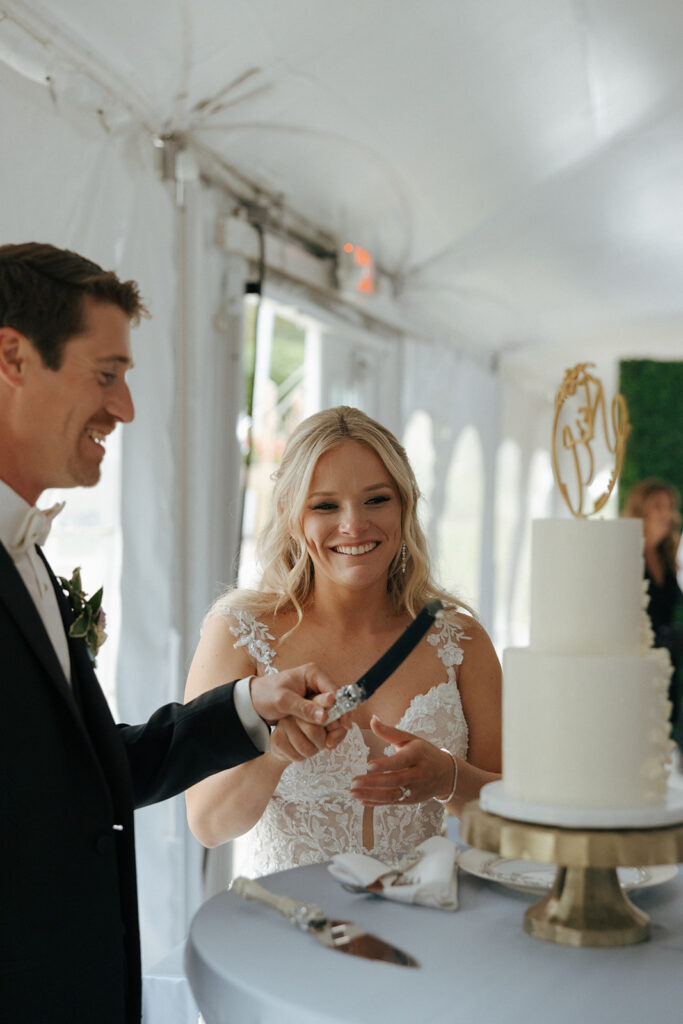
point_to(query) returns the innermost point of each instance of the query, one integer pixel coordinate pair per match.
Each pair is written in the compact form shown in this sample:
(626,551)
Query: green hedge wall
(654,393)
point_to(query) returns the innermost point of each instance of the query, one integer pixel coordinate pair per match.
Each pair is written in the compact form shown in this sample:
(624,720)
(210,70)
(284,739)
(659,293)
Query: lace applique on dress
(311,815)
(446,635)
(253,635)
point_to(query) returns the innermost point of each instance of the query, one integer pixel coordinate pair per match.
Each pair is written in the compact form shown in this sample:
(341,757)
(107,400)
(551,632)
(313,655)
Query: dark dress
(665,609)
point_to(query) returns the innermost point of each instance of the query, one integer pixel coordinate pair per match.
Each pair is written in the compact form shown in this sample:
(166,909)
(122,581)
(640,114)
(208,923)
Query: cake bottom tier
(586,731)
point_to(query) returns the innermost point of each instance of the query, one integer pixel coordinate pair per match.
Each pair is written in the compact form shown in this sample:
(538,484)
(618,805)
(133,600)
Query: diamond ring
(405,794)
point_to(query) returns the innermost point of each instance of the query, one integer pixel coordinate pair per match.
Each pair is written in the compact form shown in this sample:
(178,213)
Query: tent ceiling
(515,166)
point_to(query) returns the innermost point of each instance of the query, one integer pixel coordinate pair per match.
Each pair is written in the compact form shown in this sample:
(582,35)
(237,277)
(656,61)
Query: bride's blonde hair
(287,570)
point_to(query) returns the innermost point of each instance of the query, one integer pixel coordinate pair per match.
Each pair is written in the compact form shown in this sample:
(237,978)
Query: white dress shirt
(31,568)
(254,726)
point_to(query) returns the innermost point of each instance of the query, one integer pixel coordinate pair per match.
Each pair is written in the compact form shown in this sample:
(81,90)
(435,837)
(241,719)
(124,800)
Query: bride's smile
(362,549)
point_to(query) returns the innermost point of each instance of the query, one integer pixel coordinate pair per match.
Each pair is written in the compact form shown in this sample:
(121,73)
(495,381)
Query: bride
(345,570)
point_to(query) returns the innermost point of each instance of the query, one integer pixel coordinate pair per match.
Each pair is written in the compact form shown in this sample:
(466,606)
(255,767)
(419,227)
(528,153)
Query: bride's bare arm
(480,681)
(227,804)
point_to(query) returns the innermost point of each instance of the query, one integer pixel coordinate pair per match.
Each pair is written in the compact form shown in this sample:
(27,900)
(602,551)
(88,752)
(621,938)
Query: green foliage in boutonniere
(90,618)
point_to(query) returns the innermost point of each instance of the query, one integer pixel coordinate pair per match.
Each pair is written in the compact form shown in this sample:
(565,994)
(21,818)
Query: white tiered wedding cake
(585,708)
(586,735)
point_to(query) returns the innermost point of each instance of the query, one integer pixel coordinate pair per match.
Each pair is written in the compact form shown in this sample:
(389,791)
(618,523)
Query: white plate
(528,876)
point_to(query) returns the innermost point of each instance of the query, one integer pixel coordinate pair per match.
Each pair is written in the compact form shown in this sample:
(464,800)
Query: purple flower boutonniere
(90,618)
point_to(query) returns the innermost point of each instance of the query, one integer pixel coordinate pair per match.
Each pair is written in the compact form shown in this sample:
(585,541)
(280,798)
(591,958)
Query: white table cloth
(245,962)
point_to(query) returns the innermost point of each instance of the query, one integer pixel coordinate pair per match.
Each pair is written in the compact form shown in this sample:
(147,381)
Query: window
(280,360)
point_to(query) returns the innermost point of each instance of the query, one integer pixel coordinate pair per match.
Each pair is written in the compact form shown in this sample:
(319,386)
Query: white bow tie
(34,528)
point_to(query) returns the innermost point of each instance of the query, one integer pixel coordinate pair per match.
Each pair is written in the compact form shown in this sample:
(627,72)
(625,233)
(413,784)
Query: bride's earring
(404,557)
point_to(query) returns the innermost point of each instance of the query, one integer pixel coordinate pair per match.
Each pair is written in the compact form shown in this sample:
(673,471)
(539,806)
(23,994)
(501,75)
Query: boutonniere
(90,618)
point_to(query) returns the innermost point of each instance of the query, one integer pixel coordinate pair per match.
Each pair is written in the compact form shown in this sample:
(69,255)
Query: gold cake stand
(586,905)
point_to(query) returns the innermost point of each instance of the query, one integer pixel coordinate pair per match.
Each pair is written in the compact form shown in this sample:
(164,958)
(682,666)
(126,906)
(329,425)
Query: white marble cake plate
(529,876)
(494,800)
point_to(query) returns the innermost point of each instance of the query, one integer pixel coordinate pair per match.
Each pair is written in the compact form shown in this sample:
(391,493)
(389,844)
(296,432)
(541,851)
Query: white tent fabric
(99,194)
(514,167)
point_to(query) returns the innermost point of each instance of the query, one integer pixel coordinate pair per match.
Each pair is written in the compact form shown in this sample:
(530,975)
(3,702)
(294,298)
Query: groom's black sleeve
(183,743)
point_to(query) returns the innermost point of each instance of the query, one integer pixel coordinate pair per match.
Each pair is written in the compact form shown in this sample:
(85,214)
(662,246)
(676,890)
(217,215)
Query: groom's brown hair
(42,290)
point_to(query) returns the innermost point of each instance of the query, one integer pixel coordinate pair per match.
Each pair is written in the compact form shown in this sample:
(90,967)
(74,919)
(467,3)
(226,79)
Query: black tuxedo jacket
(69,782)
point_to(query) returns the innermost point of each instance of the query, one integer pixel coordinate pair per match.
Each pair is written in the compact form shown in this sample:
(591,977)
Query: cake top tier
(587,589)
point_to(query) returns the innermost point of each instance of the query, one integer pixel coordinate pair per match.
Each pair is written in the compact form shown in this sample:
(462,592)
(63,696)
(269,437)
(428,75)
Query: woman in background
(345,571)
(657,503)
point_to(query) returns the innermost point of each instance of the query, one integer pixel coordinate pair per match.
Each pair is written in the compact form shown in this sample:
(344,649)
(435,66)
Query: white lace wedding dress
(311,815)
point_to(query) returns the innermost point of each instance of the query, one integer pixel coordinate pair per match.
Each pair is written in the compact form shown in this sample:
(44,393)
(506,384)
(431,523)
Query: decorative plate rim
(538,878)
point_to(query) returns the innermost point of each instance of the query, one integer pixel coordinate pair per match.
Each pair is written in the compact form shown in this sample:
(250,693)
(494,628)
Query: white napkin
(432,880)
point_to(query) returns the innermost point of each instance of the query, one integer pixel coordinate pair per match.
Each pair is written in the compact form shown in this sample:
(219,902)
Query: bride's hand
(419,771)
(295,740)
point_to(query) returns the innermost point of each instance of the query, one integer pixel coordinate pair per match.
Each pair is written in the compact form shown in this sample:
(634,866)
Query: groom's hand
(285,694)
(293,739)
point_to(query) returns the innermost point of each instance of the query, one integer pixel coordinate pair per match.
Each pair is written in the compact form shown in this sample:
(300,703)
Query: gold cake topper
(578,437)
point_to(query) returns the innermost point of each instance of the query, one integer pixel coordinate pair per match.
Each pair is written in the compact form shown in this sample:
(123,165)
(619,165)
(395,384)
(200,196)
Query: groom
(69,777)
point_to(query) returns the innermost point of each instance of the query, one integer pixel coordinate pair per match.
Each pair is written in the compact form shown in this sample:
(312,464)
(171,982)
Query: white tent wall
(66,180)
(456,392)
(196,519)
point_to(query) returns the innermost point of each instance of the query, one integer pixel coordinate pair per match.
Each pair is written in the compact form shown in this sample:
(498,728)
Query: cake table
(586,905)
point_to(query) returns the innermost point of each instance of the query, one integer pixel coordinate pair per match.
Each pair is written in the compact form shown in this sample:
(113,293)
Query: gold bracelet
(455,778)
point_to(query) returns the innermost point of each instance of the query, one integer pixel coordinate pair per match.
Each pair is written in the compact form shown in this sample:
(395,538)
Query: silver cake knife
(343,936)
(348,698)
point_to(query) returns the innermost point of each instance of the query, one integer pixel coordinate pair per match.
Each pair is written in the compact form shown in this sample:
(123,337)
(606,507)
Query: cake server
(349,697)
(343,936)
